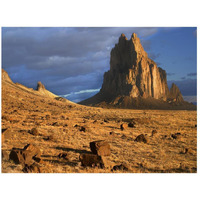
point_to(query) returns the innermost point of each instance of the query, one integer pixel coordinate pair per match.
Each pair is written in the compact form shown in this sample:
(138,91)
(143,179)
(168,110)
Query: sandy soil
(23,110)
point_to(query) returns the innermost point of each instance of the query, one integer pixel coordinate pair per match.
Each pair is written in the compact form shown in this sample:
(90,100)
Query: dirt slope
(59,125)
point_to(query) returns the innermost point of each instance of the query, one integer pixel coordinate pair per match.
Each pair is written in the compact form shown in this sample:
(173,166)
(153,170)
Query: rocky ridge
(135,81)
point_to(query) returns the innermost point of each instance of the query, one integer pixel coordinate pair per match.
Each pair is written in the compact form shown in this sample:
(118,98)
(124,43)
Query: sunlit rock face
(132,73)
(5,76)
(134,81)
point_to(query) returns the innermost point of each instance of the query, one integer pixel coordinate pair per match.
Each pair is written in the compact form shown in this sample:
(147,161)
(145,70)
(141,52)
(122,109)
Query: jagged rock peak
(132,73)
(40,86)
(135,81)
(5,76)
(175,93)
(123,37)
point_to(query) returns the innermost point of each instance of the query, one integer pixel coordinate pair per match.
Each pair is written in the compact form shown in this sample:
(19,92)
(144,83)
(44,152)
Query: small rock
(34,131)
(82,128)
(48,117)
(120,167)
(34,168)
(186,151)
(153,132)
(101,148)
(195,125)
(131,124)
(55,124)
(112,133)
(91,160)
(105,120)
(175,135)
(123,126)
(50,137)
(141,138)
(63,155)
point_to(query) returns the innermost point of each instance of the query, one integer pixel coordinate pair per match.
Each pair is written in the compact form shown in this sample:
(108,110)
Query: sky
(71,61)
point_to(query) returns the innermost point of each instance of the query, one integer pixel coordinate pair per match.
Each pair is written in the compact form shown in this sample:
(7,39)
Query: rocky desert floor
(65,130)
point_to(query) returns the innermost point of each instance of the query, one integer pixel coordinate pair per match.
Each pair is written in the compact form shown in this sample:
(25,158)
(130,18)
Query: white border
(100,13)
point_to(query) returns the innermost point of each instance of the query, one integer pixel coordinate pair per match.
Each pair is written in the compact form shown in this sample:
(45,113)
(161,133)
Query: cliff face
(132,73)
(135,81)
(175,94)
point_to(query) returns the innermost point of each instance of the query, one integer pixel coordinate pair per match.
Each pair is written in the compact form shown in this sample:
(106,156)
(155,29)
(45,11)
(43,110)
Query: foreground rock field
(63,132)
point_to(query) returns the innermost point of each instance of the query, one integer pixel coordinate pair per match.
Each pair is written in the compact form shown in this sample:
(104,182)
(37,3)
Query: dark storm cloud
(192,74)
(188,87)
(69,61)
(64,59)
(170,74)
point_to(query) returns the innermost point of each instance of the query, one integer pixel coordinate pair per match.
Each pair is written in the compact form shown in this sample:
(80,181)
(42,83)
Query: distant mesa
(135,81)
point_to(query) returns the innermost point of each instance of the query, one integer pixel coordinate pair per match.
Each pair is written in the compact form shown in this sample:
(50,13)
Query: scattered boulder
(112,133)
(48,117)
(63,155)
(25,156)
(16,156)
(34,151)
(131,125)
(34,168)
(101,148)
(123,126)
(153,132)
(61,99)
(50,137)
(175,135)
(55,124)
(120,167)
(105,120)
(186,151)
(82,128)
(91,160)
(5,155)
(141,138)
(34,131)
(4,131)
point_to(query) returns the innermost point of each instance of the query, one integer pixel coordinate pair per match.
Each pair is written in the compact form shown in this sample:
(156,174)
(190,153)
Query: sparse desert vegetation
(63,131)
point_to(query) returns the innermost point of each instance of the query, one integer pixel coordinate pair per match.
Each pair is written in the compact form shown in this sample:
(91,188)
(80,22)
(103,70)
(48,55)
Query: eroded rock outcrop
(5,76)
(132,73)
(43,91)
(134,80)
(175,94)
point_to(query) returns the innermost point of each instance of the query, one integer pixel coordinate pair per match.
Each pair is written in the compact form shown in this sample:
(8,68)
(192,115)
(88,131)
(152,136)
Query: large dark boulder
(101,148)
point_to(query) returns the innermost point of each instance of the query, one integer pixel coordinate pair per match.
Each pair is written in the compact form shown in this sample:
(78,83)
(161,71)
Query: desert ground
(66,128)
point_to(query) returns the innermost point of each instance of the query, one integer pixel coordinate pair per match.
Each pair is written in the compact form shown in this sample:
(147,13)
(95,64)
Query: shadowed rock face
(175,94)
(134,80)
(40,86)
(132,73)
